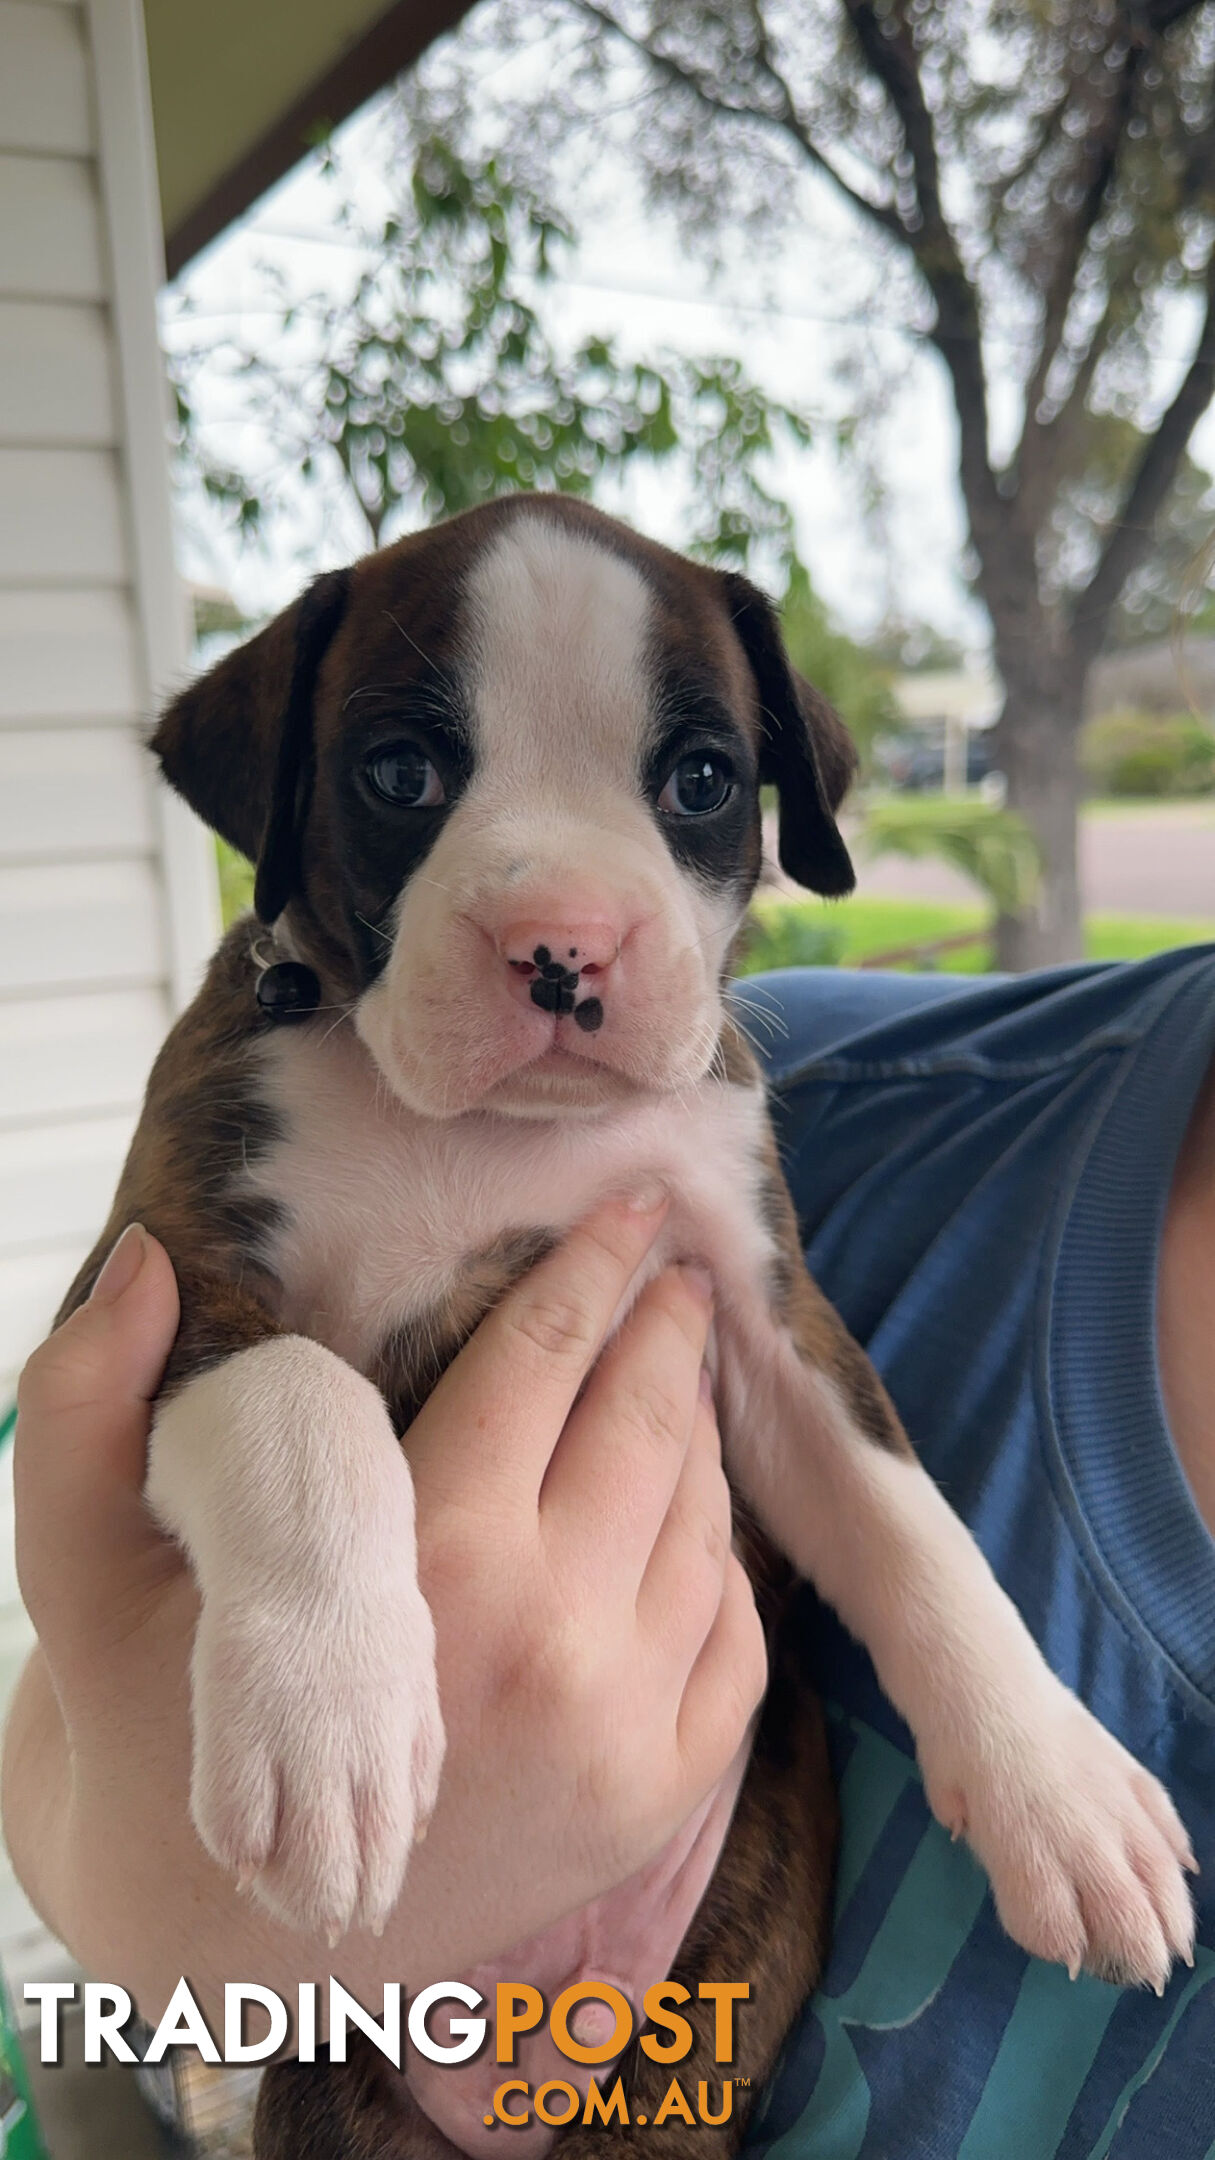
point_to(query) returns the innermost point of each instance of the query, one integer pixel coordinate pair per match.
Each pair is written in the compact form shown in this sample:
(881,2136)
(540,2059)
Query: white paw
(1085,1850)
(317,1746)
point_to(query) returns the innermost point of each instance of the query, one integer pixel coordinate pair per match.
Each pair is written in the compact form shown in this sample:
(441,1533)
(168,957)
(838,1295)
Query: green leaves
(437,381)
(856,683)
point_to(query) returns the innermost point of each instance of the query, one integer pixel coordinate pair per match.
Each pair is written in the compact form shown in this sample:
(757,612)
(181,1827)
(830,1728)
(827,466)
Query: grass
(801,933)
(235,883)
(1196,809)
(1136,937)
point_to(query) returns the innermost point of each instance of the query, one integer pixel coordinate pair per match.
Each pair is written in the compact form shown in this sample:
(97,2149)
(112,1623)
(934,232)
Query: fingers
(681,1588)
(726,1684)
(82,1427)
(500,1407)
(617,1464)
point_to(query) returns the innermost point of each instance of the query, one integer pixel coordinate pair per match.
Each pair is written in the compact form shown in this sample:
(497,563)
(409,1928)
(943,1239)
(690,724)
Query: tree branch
(889,53)
(786,121)
(1131,537)
(1101,147)
(1043,456)
(1054,463)
(1160,15)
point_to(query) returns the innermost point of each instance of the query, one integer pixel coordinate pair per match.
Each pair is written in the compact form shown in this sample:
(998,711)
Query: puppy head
(502,782)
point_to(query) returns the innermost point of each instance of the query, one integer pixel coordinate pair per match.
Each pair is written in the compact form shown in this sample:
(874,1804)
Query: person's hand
(600,1657)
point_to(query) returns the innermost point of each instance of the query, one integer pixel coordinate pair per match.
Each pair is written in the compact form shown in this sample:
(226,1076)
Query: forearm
(35,1791)
(106,1854)
(95,1849)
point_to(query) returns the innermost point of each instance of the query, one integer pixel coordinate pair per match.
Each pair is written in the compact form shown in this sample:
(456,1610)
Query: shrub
(1133,753)
(782,934)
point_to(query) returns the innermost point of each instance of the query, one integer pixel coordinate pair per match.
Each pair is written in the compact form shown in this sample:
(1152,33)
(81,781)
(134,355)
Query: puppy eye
(404,775)
(700,782)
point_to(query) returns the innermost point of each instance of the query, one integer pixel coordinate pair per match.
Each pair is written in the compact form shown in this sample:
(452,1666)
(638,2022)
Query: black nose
(555,990)
(555,987)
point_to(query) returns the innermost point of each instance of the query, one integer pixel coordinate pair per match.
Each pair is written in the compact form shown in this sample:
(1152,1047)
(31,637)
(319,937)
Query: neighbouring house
(949,705)
(1170,675)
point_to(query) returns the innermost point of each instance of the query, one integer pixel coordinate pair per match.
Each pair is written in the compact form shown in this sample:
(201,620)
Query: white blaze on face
(553,843)
(561,685)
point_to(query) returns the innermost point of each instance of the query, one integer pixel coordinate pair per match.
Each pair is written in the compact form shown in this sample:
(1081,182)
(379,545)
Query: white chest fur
(383,1208)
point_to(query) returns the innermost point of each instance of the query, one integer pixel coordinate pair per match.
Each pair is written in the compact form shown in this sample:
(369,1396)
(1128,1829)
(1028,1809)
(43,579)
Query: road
(1144,860)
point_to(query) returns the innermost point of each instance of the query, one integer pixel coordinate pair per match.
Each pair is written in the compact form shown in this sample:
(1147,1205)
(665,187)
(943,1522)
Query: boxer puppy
(501,782)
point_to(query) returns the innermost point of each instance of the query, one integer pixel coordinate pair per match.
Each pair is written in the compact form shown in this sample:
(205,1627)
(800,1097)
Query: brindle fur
(203,1122)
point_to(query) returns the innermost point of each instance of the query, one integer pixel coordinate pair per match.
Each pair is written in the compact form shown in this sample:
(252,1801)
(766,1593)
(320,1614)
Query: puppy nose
(562,965)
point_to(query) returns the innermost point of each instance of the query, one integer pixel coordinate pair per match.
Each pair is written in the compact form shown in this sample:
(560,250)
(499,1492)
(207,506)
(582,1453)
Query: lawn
(845,933)
(1156,809)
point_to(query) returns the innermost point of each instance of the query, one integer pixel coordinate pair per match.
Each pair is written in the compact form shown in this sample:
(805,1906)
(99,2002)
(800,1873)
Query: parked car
(915,760)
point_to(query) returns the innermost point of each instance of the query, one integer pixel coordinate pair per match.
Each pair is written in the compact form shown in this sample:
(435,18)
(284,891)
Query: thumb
(80,1451)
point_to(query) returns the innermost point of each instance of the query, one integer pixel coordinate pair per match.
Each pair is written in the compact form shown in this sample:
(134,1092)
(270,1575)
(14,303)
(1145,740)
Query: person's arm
(599,1653)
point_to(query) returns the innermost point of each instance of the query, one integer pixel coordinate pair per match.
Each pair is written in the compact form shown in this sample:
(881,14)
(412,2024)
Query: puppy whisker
(744,1006)
(343,1013)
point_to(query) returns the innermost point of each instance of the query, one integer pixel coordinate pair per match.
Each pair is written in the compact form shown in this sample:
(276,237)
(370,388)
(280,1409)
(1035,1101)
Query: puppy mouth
(563,1054)
(559,1059)
(562,1072)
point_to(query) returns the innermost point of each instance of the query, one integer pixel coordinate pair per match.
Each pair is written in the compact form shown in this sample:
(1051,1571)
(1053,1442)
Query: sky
(801,327)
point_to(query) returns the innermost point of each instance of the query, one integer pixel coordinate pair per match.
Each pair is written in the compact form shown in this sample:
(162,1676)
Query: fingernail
(122,1265)
(646,1198)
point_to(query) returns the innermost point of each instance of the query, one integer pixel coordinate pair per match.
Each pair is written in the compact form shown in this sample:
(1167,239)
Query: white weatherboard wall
(107,886)
(106,889)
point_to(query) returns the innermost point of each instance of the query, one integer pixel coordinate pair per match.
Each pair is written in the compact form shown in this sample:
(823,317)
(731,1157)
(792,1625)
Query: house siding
(107,888)
(106,891)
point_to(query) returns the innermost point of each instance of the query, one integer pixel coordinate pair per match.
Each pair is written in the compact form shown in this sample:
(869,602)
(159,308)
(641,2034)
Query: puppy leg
(1084,1849)
(317,1737)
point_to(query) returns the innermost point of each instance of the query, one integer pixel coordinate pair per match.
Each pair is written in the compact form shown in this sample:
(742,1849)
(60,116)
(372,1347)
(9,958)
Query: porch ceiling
(240,87)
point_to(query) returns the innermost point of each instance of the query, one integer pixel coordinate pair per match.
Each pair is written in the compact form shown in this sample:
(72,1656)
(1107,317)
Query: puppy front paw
(317,1749)
(1085,1850)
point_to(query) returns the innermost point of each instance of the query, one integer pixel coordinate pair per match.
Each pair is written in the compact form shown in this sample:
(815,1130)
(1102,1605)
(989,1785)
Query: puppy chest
(398,1227)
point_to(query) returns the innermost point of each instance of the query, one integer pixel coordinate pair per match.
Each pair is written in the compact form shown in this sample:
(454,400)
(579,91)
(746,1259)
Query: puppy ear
(238,744)
(807,752)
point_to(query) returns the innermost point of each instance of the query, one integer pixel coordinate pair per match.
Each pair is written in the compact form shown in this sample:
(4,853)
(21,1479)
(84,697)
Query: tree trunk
(1036,747)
